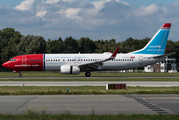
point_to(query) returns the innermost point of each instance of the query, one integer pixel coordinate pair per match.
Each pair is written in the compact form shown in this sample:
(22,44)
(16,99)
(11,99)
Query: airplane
(152,53)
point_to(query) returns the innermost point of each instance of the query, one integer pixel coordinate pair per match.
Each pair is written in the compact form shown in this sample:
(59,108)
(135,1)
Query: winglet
(114,53)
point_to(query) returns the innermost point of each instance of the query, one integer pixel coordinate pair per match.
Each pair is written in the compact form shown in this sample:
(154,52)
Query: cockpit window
(12,59)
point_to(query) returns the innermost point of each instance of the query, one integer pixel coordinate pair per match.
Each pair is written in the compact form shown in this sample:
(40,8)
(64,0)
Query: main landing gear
(87,74)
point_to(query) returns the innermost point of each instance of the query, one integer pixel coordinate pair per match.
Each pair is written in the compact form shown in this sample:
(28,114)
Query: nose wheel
(87,74)
(20,75)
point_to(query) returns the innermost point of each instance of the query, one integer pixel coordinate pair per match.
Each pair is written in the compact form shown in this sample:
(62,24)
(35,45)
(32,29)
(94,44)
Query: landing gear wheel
(87,74)
(20,75)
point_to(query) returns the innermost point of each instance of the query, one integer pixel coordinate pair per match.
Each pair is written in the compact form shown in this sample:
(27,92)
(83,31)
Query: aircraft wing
(96,64)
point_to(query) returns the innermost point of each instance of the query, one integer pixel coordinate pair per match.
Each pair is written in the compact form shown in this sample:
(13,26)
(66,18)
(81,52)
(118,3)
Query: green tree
(71,45)
(55,46)
(9,39)
(86,45)
(31,45)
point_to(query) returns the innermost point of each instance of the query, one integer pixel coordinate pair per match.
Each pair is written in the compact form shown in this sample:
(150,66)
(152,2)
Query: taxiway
(105,77)
(91,104)
(88,83)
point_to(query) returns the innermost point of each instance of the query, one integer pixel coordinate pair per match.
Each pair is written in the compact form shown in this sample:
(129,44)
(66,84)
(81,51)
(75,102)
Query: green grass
(88,117)
(93,74)
(82,90)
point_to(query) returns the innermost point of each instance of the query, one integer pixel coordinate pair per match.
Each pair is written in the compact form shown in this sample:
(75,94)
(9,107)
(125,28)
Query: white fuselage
(53,62)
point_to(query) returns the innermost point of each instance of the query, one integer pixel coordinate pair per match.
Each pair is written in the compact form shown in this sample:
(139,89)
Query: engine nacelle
(69,69)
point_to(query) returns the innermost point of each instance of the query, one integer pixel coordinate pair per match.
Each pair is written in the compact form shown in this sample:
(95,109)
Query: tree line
(13,43)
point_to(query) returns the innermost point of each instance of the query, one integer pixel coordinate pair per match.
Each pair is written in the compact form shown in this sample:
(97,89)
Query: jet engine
(69,69)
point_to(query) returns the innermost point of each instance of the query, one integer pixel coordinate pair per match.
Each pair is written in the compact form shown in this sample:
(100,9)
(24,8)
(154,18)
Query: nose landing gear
(87,74)
(20,75)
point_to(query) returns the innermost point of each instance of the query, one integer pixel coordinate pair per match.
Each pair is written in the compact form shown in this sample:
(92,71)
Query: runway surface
(105,77)
(87,83)
(88,104)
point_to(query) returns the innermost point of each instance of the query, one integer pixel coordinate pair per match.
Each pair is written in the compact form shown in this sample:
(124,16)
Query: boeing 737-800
(152,53)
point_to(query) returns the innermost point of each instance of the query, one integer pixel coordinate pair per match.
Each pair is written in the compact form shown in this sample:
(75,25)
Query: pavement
(88,83)
(91,104)
(105,77)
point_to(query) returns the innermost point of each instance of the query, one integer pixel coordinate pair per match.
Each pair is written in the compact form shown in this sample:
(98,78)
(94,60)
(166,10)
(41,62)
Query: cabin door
(140,60)
(24,60)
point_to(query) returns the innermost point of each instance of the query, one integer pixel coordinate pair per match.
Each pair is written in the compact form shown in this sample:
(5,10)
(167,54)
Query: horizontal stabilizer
(168,54)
